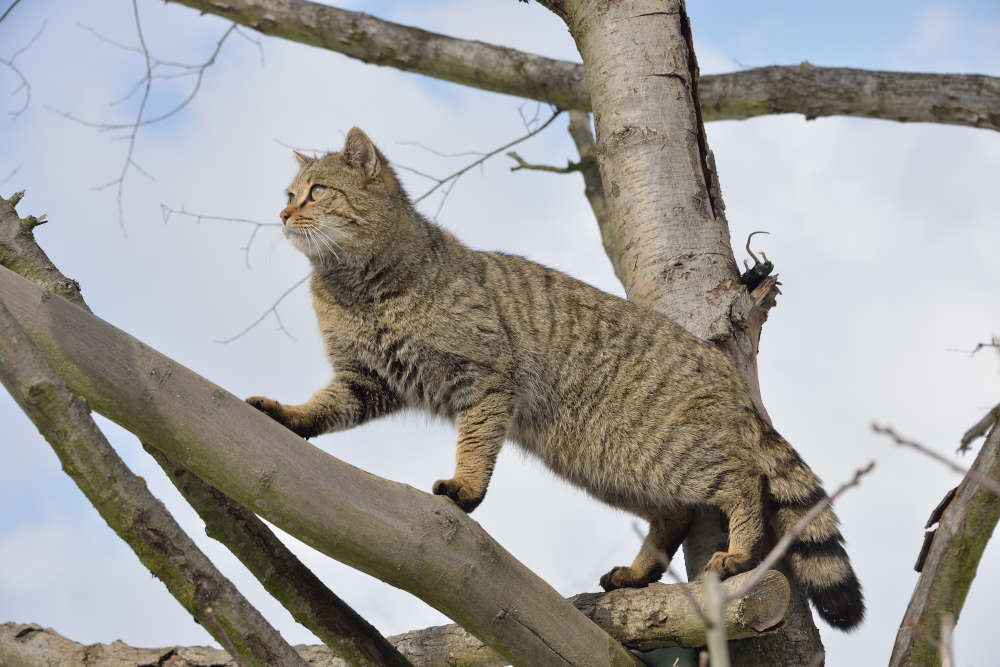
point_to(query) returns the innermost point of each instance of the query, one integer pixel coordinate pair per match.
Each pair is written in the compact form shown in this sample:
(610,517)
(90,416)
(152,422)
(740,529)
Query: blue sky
(884,235)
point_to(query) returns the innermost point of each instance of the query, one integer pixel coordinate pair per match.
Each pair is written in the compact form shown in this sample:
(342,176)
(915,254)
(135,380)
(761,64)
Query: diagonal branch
(957,99)
(308,600)
(129,508)
(418,542)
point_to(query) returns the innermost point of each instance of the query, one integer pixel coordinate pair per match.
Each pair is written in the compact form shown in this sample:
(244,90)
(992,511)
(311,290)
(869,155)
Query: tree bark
(668,225)
(644,619)
(283,575)
(957,546)
(128,507)
(410,539)
(958,99)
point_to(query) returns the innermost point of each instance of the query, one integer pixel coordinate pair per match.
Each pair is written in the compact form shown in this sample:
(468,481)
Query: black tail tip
(841,605)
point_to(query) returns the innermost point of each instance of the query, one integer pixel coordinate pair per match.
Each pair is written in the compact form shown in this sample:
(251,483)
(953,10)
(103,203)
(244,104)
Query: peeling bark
(957,99)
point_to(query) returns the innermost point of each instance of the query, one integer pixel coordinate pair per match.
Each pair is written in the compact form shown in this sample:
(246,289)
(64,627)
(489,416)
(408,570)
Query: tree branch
(283,575)
(410,539)
(128,507)
(644,619)
(964,528)
(958,99)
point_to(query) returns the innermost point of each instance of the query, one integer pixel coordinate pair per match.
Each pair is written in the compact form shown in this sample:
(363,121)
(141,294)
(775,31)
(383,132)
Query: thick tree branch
(667,223)
(959,99)
(964,528)
(379,42)
(410,539)
(128,507)
(643,619)
(308,600)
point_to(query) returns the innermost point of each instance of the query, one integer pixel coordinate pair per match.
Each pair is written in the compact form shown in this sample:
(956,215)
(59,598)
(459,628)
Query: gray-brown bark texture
(644,619)
(667,220)
(412,540)
(961,535)
(959,99)
(282,574)
(121,498)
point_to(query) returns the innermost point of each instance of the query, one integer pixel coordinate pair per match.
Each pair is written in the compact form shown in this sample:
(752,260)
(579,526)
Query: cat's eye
(291,196)
(316,192)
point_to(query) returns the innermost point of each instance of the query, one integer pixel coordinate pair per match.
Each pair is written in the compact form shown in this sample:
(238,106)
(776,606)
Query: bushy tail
(817,557)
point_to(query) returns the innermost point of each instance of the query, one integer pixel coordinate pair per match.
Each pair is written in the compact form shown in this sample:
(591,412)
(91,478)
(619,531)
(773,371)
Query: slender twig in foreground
(663,560)
(982,480)
(944,648)
(778,552)
(715,634)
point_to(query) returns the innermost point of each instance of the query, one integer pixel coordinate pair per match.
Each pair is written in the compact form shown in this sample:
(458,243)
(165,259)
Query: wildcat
(616,398)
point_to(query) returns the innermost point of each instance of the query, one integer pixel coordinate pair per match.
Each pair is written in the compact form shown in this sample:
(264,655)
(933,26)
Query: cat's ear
(303,159)
(360,153)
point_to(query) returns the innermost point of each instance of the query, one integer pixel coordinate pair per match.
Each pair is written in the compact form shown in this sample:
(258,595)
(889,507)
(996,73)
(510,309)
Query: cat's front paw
(464,496)
(268,406)
(277,412)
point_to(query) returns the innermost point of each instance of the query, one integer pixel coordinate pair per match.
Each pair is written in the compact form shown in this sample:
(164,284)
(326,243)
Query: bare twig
(994,343)
(168,212)
(750,252)
(155,68)
(24,84)
(944,647)
(521,164)
(982,480)
(715,634)
(452,178)
(778,552)
(256,41)
(272,309)
(10,175)
(664,560)
(8,10)
(979,429)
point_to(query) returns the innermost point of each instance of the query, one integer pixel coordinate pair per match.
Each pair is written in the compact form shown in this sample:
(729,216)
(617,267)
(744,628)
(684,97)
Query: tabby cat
(618,399)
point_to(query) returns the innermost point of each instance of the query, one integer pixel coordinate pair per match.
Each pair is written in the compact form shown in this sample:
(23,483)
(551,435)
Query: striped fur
(616,398)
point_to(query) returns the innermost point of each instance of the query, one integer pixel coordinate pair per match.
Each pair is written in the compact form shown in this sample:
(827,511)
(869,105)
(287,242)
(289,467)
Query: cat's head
(343,206)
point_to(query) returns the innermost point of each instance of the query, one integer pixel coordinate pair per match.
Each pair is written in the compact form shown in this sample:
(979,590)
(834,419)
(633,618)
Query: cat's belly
(605,464)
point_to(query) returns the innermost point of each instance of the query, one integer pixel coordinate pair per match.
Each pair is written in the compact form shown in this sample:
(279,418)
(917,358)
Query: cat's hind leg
(746,531)
(667,529)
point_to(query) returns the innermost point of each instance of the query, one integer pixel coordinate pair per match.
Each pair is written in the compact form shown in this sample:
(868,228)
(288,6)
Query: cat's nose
(285,215)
